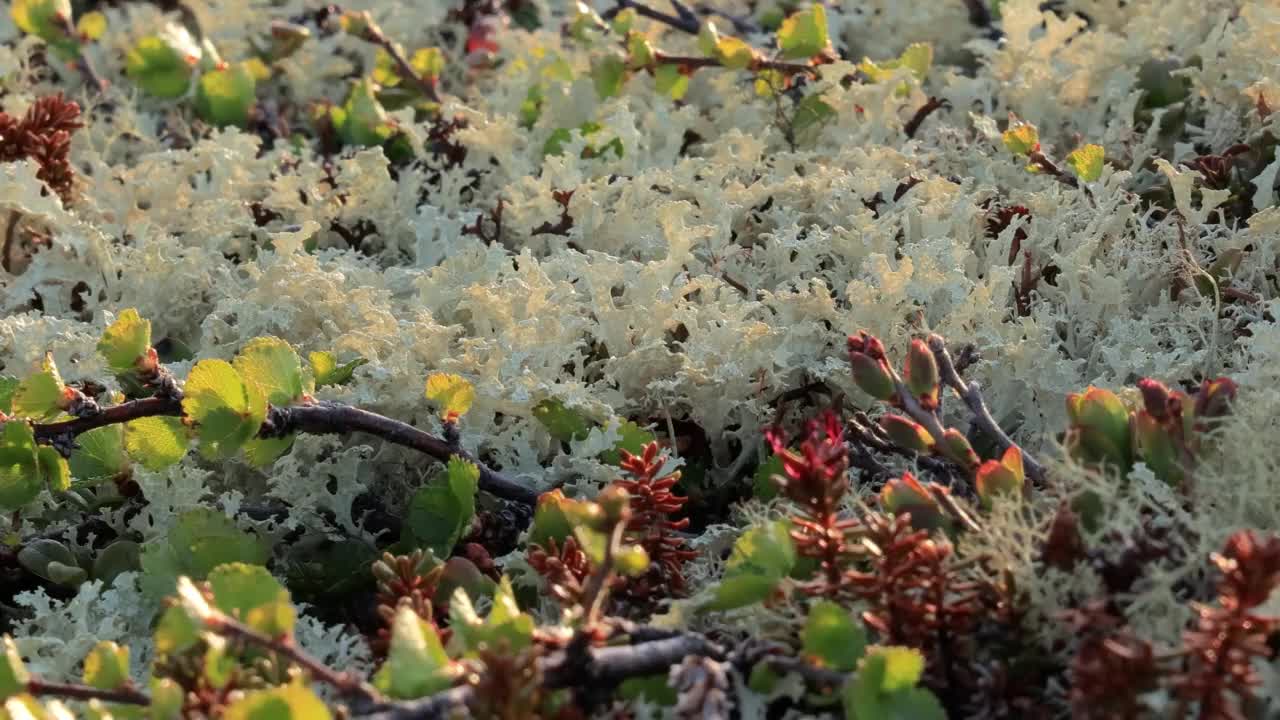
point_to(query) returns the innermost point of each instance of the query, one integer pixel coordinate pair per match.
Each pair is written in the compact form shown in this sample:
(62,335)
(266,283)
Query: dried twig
(913,125)
(317,418)
(127,695)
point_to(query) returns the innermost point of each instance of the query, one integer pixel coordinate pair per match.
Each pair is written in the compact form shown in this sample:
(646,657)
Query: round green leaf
(101,454)
(19,471)
(227,412)
(156,442)
(250,594)
(271,365)
(286,702)
(45,19)
(833,636)
(125,341)
(804,34)
(119,557)
(106,667)
(52,561)
(162,65)
(226,96)
(416,663)
(608,73)
(13,673)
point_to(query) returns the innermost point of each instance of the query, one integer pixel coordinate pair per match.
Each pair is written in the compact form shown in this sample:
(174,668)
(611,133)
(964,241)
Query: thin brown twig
(913,125)
(349,684)
(127,695)
(10,234)
(318,418)
(757,64)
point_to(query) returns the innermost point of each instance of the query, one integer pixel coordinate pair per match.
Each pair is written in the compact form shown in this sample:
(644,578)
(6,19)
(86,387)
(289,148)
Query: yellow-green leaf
(804,34)
(156,442)
(106,667)
(1087,162)
(92,25)
(251,595)
(734,54)
(294,701)
(226,96)
(1021,138)
(13,673)
(20,477)
(451,393)
(125,341)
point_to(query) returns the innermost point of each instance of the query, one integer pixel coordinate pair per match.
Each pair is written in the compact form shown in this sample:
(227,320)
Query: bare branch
(971,394)
(127,695)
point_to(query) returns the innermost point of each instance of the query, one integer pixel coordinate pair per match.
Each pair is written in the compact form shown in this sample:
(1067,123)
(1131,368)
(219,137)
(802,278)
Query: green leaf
(53,468)
(92,25)
(552,518)
(272,366)
(385,72)
(364,120)
(13,672)
(52,561)
(417,664)
(8,386)
(325,366)
(608,73)
(227,413)
(156,442)
(175,632)
(914,704)
(562,422)
(41,395)
(505,623)
(43,18)
(633,440)
(804,34)
(294,701)
(167,699)
(226,96)
(885,687)
(762,483)
(639,52)
(734,53)
(902,667)
(811,112)
(125,341)
(162,65)
(670,80)
(1087,162)
(101,454)
(428,62)
(654,688)
(250,594)
(440,513)
(106,667)
(833,637)
(452,394)
(20,475)
(200,540)
(763,550)
(740,591)
(1021,138)
(118,557)
(762,557)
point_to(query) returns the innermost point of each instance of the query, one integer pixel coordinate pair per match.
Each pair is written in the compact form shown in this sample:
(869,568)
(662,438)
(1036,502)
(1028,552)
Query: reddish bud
(1215,397)
(1003,476)
(907,495)
(956,446)
(1156,397)
(872,376)
(906,433)
(921,374)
